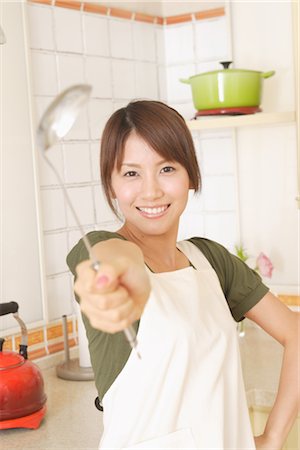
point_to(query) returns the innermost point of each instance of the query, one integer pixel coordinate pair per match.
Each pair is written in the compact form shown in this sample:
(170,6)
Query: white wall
(267,157)
(21,276)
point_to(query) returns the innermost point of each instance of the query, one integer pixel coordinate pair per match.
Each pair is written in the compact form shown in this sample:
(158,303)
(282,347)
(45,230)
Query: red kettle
(22,396)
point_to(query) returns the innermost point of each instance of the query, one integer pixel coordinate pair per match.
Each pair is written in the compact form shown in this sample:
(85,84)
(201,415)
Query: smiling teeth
(153,210)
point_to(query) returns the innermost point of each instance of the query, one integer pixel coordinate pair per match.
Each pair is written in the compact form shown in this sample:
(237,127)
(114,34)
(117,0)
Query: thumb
(108,276)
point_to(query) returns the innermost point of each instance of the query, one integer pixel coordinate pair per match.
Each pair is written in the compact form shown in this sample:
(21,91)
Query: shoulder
(79,252)
(241,285)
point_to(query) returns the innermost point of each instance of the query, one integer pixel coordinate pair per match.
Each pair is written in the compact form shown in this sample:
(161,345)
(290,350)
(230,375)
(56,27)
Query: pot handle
(268,74)
(184,80)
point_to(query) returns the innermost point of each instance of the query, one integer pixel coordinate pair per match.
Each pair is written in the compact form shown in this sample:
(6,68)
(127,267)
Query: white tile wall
(99,76)
(95,161)
(77,163)
(68,30)
(44,74)
(47,177)
(176,90)
(103,212)
(41,27)
(99,112)
(71,70)
(179,44)
(146,81)
(82,201)
(160,45)
(219,193)
(217,156)
(53,209)
(121,60)
(144,42)
(95,35)
(123,79)
(121,38)
(222,227)
(191,224)
(212,39)
(60,296)
(55,246)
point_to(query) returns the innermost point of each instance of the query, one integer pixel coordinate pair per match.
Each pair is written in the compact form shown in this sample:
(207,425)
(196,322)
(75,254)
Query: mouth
(156,211)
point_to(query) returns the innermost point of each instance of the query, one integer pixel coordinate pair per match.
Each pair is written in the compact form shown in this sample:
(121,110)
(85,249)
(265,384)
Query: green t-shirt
(242,288)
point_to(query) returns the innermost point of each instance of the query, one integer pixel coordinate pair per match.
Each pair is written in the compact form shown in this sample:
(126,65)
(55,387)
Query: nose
(151,188)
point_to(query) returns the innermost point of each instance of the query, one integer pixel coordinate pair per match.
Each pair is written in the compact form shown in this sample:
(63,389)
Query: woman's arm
(283,325)
(115,296)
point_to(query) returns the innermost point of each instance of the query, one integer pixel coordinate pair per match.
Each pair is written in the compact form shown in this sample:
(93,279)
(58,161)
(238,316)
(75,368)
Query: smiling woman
(183,299)
(145,119)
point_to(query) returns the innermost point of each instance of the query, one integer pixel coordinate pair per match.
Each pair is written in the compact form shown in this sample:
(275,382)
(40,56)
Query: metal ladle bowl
(55,123)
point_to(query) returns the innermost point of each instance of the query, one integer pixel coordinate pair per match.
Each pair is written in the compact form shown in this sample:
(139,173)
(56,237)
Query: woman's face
(151,192)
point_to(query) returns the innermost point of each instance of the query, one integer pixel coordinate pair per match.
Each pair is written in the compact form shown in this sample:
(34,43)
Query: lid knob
(226,64)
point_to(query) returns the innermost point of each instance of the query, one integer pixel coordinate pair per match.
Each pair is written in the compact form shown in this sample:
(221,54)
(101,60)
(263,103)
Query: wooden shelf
(208,123)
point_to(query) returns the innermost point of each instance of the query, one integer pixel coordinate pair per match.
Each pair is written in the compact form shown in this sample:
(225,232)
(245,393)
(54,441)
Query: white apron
(187,391)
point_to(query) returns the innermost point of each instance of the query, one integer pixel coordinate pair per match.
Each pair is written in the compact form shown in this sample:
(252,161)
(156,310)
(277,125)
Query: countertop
(72,421)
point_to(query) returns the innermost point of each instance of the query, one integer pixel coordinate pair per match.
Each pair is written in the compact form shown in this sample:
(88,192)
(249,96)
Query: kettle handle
(8,308)
(268,74)
(184,80)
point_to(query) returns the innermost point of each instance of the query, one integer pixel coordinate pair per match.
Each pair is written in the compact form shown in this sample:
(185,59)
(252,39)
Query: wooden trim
(43,2)
(8,344)
(120,13)
(140,17)
(94,8)
(159,20)
(34,354)
(70,4)
(34,337)
(131,15)
(208,14)
(172,20)
(58,347)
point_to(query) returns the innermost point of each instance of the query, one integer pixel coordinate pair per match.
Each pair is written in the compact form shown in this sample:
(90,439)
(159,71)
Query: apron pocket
(181,439)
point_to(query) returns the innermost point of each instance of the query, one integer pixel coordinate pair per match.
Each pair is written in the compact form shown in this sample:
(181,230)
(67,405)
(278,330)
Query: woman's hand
(263,442)
(115,296)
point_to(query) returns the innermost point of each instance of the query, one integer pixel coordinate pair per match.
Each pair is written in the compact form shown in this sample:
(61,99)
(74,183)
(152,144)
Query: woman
(183,299)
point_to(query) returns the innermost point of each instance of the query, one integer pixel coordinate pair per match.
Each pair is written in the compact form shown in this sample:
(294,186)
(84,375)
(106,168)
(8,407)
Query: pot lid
(226,69)
(10,360)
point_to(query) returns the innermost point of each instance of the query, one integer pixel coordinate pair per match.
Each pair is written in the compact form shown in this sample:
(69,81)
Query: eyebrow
(129,164)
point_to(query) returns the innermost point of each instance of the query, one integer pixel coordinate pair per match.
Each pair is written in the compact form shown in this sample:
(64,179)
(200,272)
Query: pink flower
(264,265)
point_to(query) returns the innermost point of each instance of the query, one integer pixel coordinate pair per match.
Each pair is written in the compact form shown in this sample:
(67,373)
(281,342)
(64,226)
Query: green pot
(227,88)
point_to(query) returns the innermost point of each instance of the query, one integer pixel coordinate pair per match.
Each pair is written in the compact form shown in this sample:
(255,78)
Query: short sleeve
(79,252)
(109,352)
(242,287)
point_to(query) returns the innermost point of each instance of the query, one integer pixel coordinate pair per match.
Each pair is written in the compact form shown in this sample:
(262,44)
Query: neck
(160,251)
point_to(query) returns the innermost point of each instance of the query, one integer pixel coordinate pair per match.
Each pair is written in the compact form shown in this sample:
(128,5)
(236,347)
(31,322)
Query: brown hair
(161,126)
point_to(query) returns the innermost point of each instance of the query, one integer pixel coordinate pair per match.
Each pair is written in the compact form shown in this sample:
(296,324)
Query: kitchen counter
(72,421)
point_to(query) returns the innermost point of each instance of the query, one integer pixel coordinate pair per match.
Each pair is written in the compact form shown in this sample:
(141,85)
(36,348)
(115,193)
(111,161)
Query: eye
(130,173)
(168,169)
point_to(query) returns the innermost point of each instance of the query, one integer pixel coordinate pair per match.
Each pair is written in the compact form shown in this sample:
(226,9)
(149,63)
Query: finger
(85,278)
(108,301)
(110,320)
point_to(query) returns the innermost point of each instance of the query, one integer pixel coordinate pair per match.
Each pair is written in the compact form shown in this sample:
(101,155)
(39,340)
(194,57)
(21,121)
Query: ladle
(55,123)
